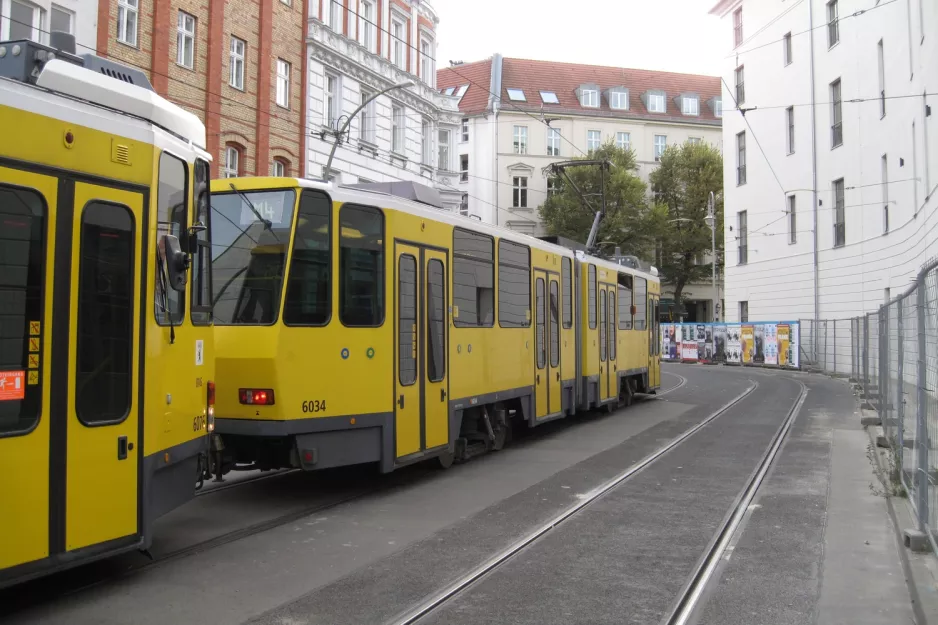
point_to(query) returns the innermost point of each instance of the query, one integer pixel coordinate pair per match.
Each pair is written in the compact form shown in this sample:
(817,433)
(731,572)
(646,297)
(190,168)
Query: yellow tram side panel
(306,364)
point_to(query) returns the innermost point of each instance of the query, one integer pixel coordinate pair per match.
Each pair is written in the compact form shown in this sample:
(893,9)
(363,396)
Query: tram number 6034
(314,405)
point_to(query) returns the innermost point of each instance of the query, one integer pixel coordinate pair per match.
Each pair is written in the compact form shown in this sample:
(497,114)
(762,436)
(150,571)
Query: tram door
(421,381)
(612,367)
(547,344)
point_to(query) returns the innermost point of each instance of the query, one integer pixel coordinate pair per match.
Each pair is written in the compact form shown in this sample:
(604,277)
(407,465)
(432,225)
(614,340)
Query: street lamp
(711,221)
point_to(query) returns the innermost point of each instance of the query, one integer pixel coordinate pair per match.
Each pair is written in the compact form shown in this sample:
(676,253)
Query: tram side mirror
(176,262)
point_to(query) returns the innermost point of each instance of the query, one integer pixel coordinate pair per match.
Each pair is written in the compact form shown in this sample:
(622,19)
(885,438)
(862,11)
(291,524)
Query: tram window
(201,306)
(473,279)
(625,302)
(554,330)
(172,218)
(407,303)
(566,274)
(250,234)
(22,267)
(591,294)
(514,285)
(436,318)
(105,342)
(602,325)
(309,283)
(657,321)
(612,326)
(541,314)
(641,292)
(361,266)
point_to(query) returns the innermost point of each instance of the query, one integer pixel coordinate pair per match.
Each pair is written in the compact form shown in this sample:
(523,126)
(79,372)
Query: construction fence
(892,356)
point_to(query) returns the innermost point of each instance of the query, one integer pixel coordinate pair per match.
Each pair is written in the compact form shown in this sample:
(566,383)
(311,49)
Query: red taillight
(211,394)
(256,396)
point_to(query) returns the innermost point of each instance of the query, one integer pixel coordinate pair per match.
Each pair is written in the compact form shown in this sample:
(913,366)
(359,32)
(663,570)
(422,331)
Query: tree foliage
(565,213)
(682,185)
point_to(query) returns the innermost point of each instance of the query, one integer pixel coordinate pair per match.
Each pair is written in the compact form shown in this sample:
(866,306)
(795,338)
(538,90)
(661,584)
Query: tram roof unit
(355,193)
(92,79)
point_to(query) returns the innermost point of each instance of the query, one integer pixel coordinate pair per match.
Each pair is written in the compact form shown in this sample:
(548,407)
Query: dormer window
(655,102)
(690,104)
(549,97)
(449,90)
(516,95)
(618,98)
(461,91)
(589,96)
(717,105)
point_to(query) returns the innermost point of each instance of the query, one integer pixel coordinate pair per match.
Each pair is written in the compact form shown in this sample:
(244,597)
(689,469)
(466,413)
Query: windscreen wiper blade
(268,224)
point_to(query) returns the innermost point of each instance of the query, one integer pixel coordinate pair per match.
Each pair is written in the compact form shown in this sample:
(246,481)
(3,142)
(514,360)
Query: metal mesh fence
(892,357)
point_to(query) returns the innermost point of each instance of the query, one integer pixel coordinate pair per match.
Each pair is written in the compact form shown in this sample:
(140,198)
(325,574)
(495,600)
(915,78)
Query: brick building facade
(239,66)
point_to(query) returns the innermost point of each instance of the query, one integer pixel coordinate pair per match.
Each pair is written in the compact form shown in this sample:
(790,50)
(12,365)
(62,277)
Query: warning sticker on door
(33,328)
(199,352)
(33,378)
(12,385)
(34,343)
(34,361)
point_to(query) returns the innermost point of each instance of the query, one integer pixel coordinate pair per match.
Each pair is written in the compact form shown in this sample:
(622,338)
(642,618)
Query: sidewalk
(819,545)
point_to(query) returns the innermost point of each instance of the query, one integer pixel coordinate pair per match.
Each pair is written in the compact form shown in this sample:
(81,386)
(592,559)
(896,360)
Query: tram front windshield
(250,238)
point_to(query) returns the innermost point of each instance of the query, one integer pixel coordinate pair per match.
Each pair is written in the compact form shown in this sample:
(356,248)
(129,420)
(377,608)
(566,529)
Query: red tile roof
(477,75)
(564,79)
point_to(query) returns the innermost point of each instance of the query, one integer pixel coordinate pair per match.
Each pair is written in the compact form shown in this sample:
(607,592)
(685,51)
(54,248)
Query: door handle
(600,368)
(538,377)
(442,394)
(400,401)
(558,376)
(122,447)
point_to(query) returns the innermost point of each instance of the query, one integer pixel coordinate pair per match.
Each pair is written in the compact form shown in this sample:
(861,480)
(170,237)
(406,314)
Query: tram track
(439,599)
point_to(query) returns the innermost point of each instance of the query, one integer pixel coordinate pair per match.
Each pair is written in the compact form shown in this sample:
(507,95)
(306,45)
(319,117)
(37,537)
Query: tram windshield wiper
(268,224)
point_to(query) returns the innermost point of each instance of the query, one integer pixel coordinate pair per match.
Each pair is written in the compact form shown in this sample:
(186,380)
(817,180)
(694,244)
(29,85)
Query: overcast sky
(668,35)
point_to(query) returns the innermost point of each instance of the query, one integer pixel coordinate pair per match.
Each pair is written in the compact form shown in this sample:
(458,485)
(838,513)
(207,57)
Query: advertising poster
(771,344)
(793,350)
(701,336)
(746,340)
(674,344)
(784,340)
(689,343)
(719,343)
(668,351)
(758,344)
(734,347)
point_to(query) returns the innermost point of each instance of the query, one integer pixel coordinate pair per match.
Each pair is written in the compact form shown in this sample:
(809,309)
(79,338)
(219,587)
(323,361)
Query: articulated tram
(106,359)
(352,326)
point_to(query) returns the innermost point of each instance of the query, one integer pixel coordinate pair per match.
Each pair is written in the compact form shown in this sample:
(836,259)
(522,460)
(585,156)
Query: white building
(406,134)
(830,176)
(35,19)
(504,143)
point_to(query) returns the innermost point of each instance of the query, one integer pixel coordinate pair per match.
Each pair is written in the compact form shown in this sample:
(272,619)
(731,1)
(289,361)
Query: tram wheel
(446,459)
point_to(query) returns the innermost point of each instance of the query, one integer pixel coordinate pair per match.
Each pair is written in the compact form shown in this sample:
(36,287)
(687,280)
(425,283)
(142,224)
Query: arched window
(280,167)
(232,163)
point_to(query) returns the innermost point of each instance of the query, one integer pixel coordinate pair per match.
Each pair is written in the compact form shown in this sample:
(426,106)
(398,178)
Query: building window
(519,192)
(661,142)
(463,168)
(833,29)
(553,186)
(443,150)
(589,97)
(885,174)
(840,234)
(283,83)
(742,237)
(63,20)
(397,43)
(426,62)
(232,168)
(426,129)
(741,158)
(690,106)
(786,48)
(656,103)
(549,97)
(623,141)
(790,121)
(25,21)
(694,140)
(882,78)
(593,140)
(473,279)
(185,39)
(332,102)
(361,266)
(465,129)
(335,15)
(236,63)
(737,27)
(464,205)
(792,220)
(619,100)
(718,108)
(367,27)
(127,11)
(397,129)
(367,123)
(520,140)
(743,312)
(837,127)
(516,95)
(514,285)
(740,85)
(553,142)
(279,168)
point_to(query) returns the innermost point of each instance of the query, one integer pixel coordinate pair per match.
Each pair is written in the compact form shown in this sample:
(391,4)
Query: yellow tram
(352,326)
(106,361)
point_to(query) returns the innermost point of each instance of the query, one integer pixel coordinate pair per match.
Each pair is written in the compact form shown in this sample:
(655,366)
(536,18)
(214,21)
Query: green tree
(682,185)
(565,214)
